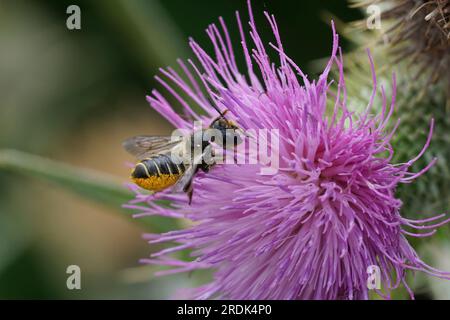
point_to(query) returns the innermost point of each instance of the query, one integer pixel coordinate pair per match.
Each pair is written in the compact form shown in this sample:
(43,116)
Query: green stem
(90,184)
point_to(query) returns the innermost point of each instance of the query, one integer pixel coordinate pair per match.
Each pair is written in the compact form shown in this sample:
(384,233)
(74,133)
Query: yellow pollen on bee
(157,183)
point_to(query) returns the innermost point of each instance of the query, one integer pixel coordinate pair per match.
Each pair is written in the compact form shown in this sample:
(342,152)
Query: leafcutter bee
(165,162)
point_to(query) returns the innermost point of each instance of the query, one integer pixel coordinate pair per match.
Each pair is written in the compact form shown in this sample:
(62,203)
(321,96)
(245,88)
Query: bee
(158,169)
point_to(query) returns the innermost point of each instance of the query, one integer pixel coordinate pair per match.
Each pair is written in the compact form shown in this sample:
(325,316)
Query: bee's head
(221,123)
(228,129)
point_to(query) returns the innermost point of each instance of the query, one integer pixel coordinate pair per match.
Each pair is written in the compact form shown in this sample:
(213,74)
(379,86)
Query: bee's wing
(185,182)
(146,146)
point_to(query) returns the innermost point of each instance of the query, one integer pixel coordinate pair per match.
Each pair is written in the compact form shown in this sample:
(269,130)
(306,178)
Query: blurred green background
(74,96)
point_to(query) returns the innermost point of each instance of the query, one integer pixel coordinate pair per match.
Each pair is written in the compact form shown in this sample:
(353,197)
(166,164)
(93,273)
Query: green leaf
(90,184)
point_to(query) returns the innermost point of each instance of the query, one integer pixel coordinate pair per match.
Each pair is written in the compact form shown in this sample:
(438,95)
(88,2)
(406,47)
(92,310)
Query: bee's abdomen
(157,173)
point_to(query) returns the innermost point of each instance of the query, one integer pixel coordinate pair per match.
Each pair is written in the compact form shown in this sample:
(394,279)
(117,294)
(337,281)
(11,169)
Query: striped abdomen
(157,173)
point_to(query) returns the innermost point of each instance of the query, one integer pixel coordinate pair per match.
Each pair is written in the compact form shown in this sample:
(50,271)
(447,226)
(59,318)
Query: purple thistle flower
(311,230)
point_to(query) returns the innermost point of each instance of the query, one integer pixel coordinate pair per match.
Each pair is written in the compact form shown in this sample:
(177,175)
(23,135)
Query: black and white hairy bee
(164,162)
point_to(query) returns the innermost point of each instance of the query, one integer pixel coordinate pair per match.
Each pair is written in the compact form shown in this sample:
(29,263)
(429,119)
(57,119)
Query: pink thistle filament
(313,229)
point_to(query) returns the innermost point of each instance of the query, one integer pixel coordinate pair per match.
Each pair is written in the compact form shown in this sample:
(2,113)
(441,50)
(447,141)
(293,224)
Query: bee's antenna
(217,109)
(212,104)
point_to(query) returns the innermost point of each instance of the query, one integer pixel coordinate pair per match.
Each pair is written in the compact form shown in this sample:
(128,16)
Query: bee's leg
(189,193)
(234,154)
(206,167)
(189,189)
